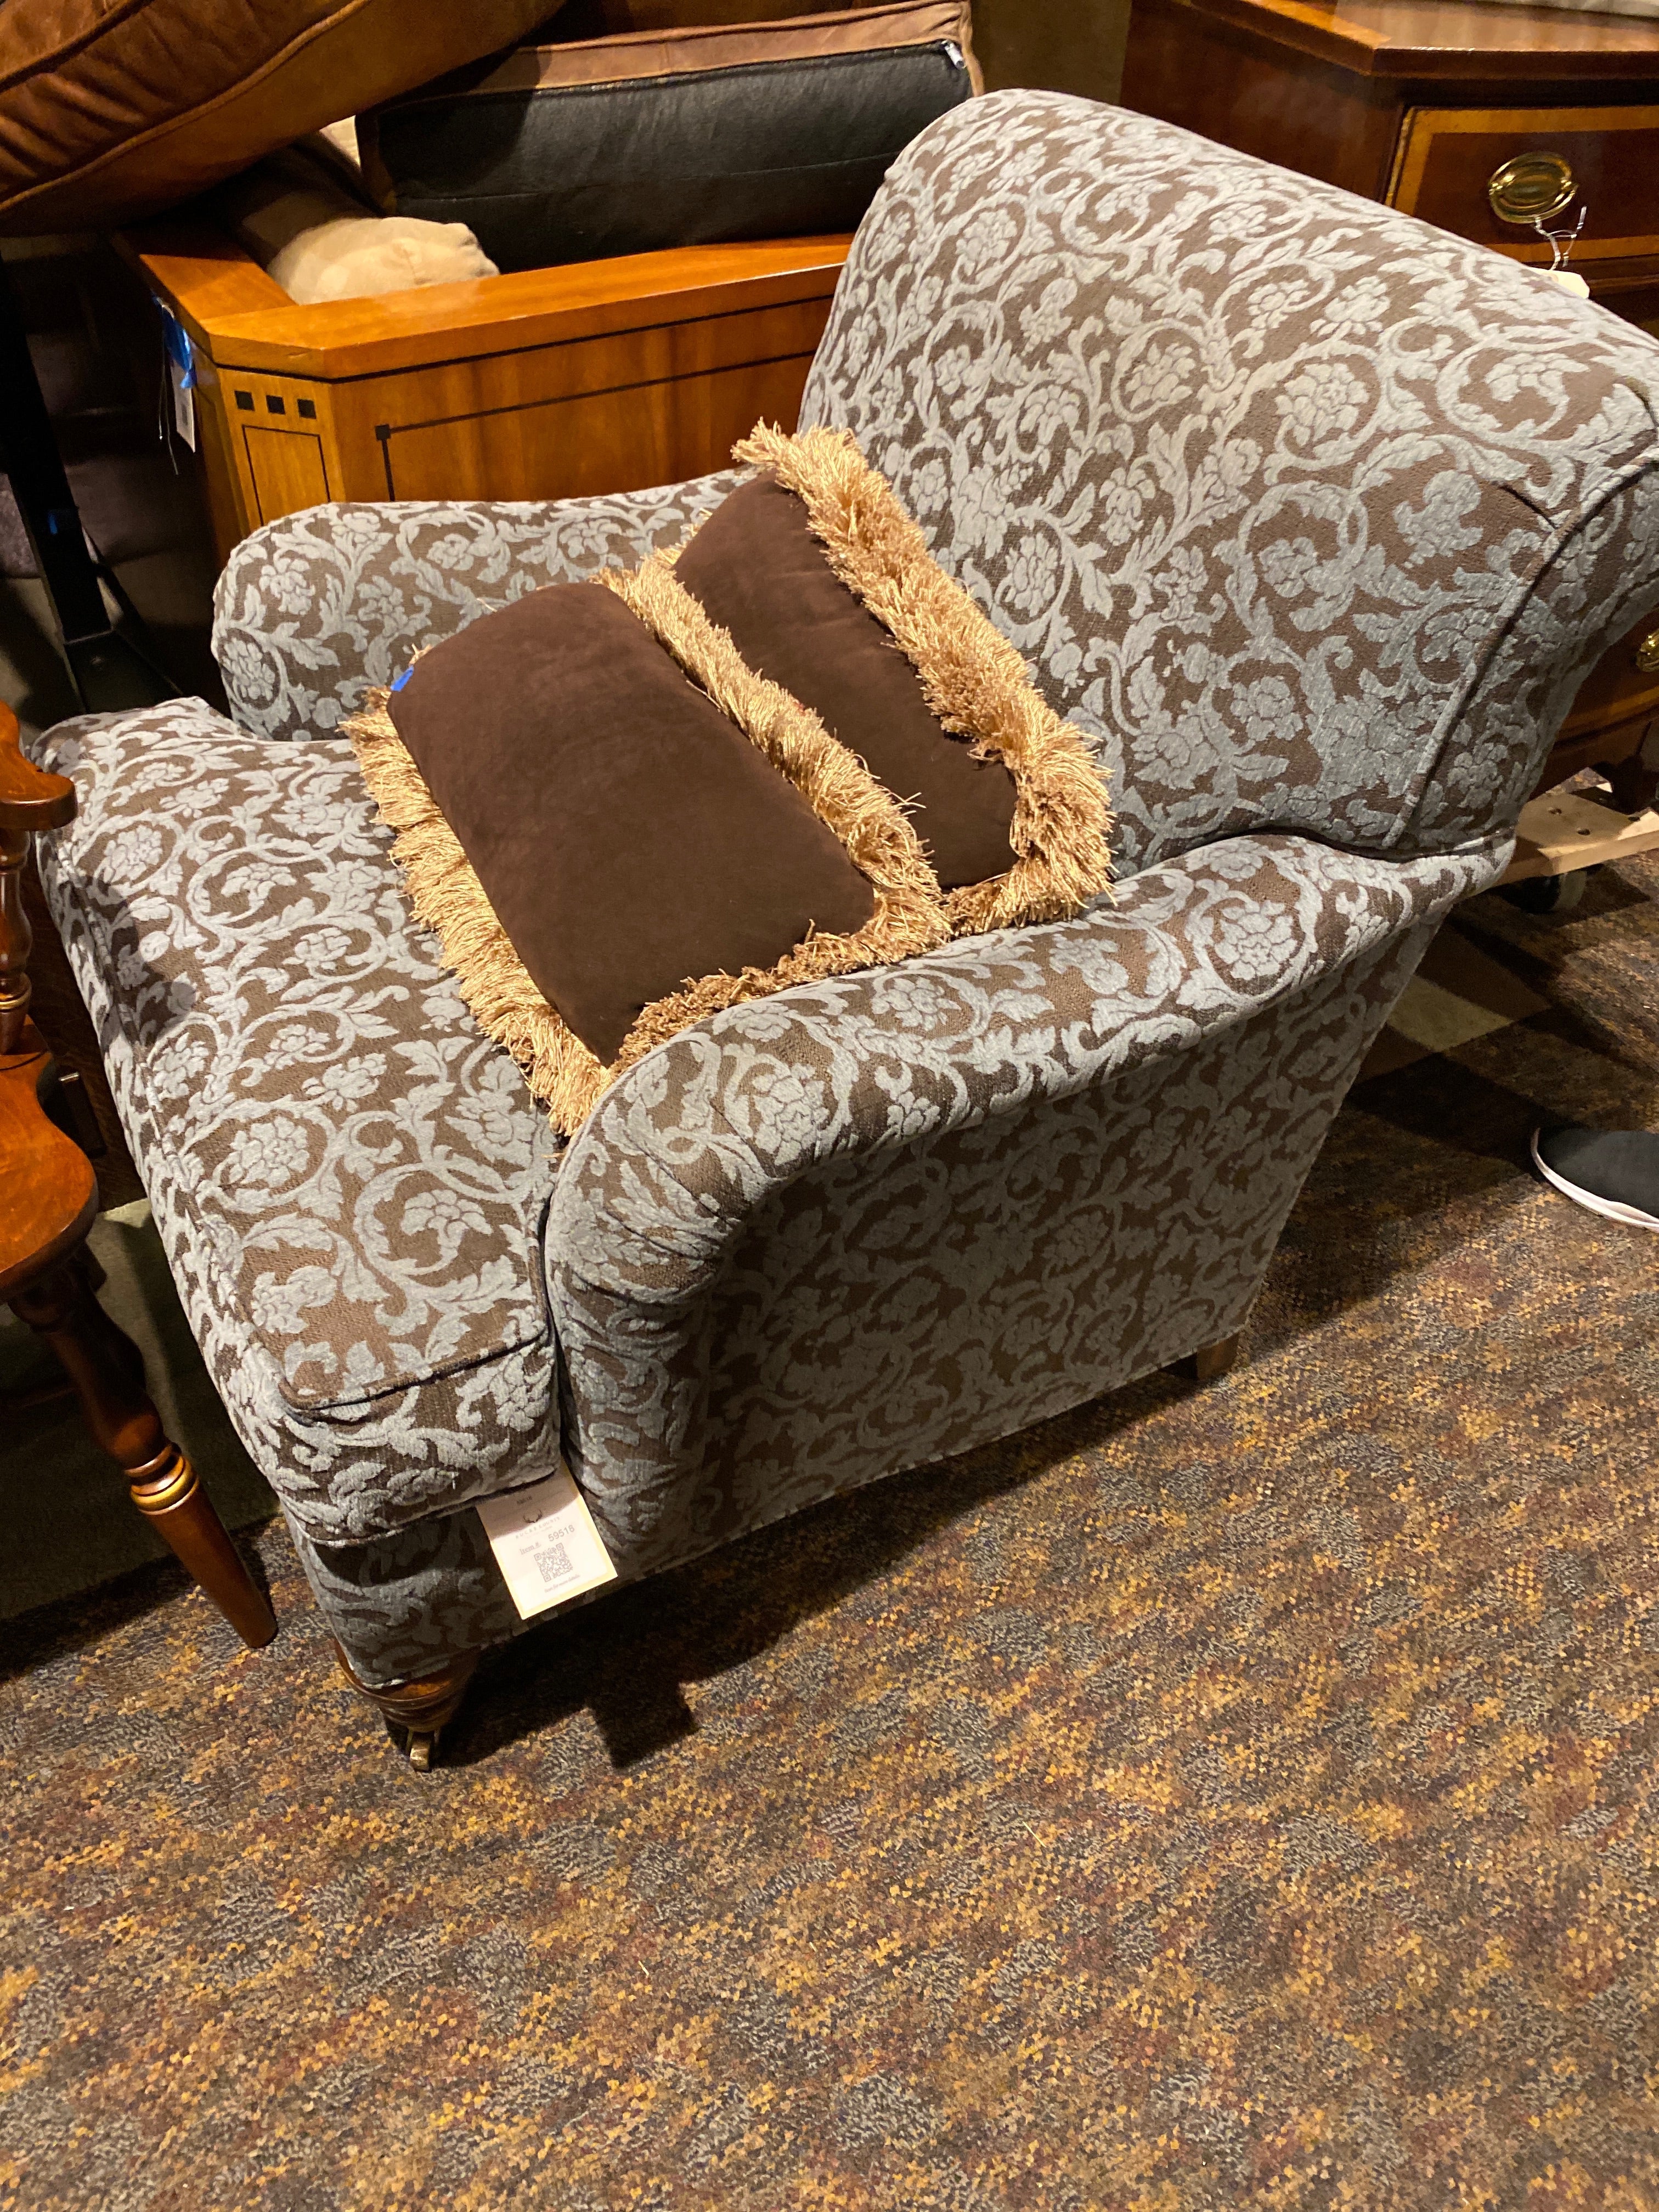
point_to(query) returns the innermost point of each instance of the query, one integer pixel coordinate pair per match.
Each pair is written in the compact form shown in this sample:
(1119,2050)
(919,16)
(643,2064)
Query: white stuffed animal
(305,218)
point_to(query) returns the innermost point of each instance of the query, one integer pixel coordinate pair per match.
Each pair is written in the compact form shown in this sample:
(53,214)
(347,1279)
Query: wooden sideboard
(1421,104)
(603,376)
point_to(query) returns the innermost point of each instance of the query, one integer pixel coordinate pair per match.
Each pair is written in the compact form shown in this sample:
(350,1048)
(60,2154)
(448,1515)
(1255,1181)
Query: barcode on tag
(553,1563)
(545,1544)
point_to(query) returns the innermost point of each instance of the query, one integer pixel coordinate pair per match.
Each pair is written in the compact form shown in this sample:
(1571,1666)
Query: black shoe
(1613,1172)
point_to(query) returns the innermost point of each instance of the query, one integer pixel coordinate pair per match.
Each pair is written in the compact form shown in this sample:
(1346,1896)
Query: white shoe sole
(1609,1208)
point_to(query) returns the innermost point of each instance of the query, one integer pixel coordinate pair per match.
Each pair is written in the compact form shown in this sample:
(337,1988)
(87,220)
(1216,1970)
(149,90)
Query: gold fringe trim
(861,814)
(447,895)
(865,818)
(974,680)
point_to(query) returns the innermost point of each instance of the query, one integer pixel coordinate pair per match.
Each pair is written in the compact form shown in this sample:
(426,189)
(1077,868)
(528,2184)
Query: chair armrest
(31,798)
(679,1155)
(313,611)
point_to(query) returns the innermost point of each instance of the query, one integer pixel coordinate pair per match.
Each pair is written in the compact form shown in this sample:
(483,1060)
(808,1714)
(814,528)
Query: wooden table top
(1429,39)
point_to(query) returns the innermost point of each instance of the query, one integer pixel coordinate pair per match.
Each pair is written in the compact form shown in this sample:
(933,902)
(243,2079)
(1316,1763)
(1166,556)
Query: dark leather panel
(578,172)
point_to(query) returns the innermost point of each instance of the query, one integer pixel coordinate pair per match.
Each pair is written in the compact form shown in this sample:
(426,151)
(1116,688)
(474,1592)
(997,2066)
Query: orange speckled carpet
(1241,1797)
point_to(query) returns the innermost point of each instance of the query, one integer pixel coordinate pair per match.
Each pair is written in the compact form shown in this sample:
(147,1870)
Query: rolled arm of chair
(313,611)
(681,1153)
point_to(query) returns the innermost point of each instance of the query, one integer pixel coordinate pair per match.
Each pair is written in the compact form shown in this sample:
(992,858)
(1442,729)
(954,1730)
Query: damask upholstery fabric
(958,1195)
(1264,480)
(1309,516)
(350,1181)
(313,611)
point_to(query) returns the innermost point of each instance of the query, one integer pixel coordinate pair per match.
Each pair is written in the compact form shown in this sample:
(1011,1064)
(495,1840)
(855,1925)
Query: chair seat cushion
(350,1180)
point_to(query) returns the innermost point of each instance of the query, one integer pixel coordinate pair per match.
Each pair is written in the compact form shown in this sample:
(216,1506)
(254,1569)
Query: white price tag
(546,1543)
(184,403)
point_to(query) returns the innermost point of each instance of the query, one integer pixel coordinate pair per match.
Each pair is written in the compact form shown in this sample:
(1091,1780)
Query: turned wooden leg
(1214,1360)
(422,1708)
(108,1371)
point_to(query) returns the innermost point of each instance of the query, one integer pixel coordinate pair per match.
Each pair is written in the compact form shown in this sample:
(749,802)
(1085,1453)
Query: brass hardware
(1530,188)
(1647,655)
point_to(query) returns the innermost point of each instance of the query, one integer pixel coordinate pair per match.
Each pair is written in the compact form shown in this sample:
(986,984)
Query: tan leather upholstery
(612,19)
(538,63)
(113,109)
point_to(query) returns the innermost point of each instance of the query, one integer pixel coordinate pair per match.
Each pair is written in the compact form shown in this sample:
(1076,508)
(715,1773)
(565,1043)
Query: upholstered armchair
(1310,517)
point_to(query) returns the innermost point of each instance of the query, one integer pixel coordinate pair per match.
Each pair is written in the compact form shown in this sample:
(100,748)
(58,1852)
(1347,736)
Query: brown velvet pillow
(113,109)
(616,828)
(826,586)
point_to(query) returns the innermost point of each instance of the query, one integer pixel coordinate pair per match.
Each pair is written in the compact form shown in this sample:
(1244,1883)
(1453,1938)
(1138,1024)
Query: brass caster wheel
(421,1748)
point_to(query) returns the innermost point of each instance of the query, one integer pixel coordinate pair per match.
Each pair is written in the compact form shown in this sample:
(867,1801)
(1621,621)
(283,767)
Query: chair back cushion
(1311,517)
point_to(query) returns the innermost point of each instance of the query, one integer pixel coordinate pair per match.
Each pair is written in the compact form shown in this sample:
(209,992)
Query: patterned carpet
(1216,1798)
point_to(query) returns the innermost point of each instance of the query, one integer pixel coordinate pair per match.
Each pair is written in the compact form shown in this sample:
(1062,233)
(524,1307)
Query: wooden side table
(1470,116)
(547,384)
(48,1201)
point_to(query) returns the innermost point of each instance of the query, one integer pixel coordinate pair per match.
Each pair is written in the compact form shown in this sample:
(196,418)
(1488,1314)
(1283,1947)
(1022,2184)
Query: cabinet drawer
(1623,686)
(1447,158)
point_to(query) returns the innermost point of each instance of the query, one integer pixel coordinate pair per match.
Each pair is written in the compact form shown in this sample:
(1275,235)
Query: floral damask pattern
(855,1228)
(1312,517)
(1264,480)
(349,1180)
(314,609)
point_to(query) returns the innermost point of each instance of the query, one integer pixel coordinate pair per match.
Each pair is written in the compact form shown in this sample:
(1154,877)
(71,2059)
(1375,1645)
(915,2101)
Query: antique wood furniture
(1477,119)
(552,383)
(48,1201)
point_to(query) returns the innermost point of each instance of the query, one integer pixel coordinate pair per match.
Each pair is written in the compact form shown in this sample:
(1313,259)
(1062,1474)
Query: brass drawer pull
(1530,188)
(1647,655)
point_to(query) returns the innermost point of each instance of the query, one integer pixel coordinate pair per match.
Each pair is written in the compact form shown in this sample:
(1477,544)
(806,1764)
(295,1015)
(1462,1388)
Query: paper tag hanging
(1560,244)
(545,1544)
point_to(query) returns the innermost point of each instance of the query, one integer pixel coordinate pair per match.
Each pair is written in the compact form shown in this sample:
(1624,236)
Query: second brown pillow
(826,587)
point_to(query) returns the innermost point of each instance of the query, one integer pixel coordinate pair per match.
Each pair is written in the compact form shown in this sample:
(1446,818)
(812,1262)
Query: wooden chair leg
(421,1708)
(108,1371)
(1212,1361)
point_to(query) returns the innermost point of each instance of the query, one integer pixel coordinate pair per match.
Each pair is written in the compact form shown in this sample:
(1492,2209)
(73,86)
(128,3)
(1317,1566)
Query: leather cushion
(759,571)
(614,19)
(113,109)
(629,836)
(575,150)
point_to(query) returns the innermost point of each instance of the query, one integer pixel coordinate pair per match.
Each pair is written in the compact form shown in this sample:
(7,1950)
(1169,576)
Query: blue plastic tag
(179,375)
(404,678)
(180,353)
